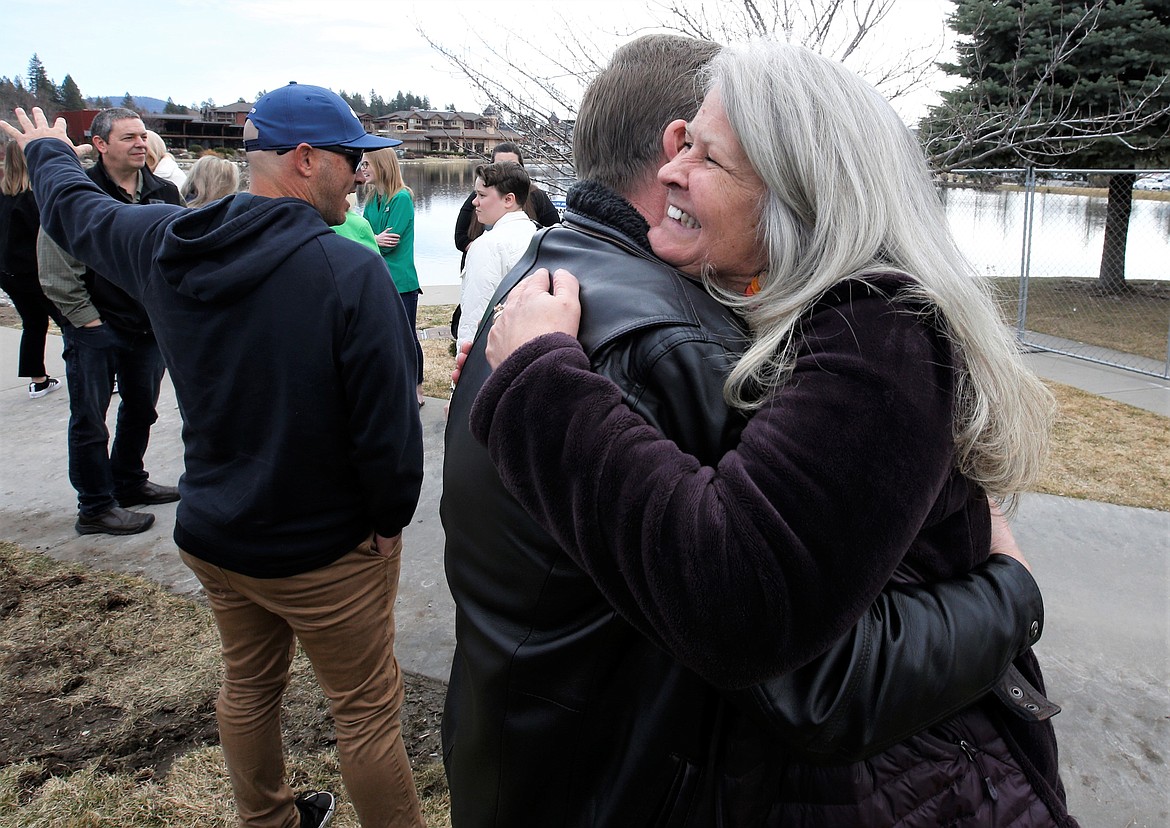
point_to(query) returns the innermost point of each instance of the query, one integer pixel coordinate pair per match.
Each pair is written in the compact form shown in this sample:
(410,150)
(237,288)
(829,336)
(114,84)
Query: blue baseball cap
(303,114)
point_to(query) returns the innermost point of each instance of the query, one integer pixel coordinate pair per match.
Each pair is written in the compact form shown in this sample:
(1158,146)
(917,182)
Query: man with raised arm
(293,364)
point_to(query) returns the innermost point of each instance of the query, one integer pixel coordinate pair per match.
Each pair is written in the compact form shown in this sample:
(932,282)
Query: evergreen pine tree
(71,98)
(38,79)
(1088,84)
(377,105)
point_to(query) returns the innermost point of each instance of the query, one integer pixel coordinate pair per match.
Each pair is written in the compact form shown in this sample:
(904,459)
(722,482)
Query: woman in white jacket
(500,193)
(161,162)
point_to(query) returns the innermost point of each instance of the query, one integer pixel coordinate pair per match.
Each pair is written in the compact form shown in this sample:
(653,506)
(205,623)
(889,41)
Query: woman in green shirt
(389,209)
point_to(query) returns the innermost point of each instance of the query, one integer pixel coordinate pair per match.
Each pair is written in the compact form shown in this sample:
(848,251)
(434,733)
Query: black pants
(35,311)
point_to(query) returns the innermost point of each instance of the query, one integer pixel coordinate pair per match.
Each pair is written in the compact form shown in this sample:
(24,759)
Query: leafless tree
(523,80)
(838,29)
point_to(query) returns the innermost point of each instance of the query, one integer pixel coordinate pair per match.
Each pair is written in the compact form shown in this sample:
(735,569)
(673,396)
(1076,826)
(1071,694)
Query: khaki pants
(343,616)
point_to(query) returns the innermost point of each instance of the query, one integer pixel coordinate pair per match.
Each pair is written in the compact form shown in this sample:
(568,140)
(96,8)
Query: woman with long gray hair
(888,403)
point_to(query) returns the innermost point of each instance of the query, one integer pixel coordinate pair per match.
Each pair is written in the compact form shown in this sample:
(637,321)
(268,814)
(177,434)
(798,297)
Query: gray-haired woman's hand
(1003,542)
(533,309)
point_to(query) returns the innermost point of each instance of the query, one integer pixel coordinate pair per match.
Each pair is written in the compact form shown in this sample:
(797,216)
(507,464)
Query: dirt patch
(108,672)
(9,318)
(62,738)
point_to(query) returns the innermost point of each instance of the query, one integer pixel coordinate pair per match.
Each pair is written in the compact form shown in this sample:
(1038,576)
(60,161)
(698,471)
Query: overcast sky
(192,50)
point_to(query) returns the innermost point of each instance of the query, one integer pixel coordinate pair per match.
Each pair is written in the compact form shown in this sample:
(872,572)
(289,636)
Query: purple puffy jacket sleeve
(749,569)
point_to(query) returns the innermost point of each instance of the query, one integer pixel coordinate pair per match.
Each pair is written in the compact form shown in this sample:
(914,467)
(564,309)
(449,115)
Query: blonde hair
(156,149)
(210,179)
(386,175)
(15,179)
(848,193)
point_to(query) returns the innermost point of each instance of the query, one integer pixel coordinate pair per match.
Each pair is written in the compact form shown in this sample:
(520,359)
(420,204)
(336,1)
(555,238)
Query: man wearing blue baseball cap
(294,367)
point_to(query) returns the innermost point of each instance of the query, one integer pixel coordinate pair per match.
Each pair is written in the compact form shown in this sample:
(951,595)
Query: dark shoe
(316,809)
(116,521)
(41,389)
(151,494)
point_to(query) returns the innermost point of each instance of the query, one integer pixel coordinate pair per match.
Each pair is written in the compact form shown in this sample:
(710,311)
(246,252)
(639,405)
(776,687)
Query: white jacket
(489,258)
(168,170)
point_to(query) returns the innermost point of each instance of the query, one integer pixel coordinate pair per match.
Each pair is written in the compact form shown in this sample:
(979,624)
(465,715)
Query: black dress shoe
(116,521)
(151,494)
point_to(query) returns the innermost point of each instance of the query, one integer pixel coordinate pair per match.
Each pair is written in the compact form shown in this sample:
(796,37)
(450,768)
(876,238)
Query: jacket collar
(600,204)
(148,184)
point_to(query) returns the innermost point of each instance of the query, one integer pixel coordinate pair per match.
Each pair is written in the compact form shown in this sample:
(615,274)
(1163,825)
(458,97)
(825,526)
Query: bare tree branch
(523,80)
(1042,118)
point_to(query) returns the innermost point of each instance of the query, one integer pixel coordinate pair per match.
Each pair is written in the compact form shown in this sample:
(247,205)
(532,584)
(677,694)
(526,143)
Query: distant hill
(144,103)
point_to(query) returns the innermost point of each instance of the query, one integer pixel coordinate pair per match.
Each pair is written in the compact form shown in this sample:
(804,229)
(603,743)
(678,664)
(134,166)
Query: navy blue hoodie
(292,360)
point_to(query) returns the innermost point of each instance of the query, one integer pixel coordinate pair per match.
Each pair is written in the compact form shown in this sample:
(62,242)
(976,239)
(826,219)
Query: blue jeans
(93,357)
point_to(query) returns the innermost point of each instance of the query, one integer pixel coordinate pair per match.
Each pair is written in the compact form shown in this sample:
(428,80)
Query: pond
(988,226)
(1067,236)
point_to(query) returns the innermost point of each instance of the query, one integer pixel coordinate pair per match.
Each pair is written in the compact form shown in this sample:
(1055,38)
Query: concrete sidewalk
(1103,568)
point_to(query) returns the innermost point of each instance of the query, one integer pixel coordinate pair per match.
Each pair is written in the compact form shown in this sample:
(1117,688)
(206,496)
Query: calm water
(1067,235)
(439,190)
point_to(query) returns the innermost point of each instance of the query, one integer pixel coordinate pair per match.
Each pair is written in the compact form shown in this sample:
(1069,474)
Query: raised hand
(38,127)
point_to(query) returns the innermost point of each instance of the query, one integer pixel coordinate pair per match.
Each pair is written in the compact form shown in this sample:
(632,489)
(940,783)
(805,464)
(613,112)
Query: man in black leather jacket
(558,711)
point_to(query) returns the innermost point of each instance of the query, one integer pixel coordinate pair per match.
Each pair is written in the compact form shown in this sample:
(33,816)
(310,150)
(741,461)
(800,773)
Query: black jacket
(560,713)
(115,305)
(292,359)
(19,223)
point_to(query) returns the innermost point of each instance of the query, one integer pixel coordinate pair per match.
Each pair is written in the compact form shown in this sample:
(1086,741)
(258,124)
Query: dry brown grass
(1108,451)
(1096,192)
(437,366)
(434,316)
(438,358)
(195,792)
(109,682)
(1133,322)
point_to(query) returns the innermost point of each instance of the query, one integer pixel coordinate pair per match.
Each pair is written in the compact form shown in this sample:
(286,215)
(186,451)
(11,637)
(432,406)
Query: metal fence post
(1026,251)
(1061,221)
(1166,368)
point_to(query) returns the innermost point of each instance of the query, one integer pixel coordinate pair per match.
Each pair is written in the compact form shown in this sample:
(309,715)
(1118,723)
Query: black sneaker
(40,389)
(316,809)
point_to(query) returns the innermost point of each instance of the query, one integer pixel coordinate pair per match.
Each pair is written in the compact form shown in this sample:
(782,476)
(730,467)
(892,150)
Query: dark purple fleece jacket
(748,569)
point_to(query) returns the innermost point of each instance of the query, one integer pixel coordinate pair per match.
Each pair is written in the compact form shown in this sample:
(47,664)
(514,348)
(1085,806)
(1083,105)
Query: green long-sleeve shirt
(396,214)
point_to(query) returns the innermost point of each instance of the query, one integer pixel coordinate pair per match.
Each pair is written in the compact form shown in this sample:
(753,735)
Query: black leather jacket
(558,712)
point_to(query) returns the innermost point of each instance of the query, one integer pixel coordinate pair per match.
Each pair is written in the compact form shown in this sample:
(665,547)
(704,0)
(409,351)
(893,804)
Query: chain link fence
(1039,237)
